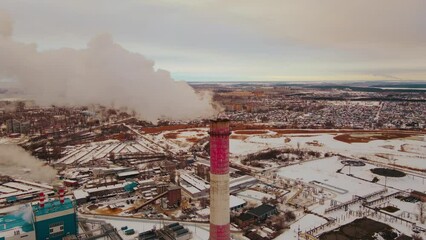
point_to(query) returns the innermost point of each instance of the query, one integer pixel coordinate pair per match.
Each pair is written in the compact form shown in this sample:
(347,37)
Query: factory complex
(126,179)
(54,220)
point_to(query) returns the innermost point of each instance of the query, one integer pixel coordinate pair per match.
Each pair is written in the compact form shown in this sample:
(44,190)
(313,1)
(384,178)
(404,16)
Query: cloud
(363,23)
(5,25)
(246,37)
(102,73)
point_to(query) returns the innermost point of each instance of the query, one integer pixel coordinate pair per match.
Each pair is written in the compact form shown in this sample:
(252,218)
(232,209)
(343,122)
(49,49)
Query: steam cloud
(25,212)
(103,73)
(5,25)
(16,162)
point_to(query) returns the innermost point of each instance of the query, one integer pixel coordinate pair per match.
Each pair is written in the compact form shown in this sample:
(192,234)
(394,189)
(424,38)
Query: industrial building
(84,195)
(173,231)
(17,226)
(243,182)
(20,190)
(193,185)
(197,187)
(420,195)
(127,175)
(173,196)
(52,220)
(257,214)
(16,126)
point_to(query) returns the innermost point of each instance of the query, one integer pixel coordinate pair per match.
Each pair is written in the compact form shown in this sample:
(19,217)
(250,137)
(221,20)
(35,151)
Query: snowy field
(409,152)
(179,140)
(303,224)
(324,171)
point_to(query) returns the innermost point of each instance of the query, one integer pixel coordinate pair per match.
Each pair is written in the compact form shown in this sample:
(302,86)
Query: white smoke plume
(16,162)
(103,73)
(25,212)
(5,25)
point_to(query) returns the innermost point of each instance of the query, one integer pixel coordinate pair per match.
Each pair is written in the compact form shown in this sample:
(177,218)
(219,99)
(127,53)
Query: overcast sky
(237,40)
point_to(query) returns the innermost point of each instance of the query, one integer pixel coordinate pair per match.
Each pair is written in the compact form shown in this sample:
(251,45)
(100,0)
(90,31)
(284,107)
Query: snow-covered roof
(4,189)
(18,186)
(146,182)
(18,193)
(128,173)
(235,201)
(241,180)
(196,182)
(110,187)
(80,194)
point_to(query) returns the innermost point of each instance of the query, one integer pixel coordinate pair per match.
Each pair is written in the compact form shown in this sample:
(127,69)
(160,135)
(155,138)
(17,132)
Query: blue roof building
(17,225)
(52,222)
(131,187)
(55,220)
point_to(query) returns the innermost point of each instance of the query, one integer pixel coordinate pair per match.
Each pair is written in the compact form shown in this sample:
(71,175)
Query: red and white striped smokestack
(219,180)
(61,195)
(41,200)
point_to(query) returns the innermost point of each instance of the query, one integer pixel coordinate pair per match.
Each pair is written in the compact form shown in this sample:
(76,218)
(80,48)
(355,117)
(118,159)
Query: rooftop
(128,173)
(245,217)
(235,201)
(195,181)
(241,180)
(261,210)
(80,194)
(110,187)
(418,193)
(53,206)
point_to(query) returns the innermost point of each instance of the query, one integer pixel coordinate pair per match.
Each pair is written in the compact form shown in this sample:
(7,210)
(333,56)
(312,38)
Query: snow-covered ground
(200,231)
(386,151)
(303,224)
(8,140)
(254,196)
(179,140)
(324,172)
(407,210)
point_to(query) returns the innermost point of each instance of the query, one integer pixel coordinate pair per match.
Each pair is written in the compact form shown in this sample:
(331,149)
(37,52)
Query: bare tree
(416,237)
(172,176)
(289,216)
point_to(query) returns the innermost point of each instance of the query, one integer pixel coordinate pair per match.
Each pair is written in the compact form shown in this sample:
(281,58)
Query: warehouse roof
(235,201)
(109,187)
(128,173)
(261,210)
(234,182)
(194,181)
(80,194)
(245,217)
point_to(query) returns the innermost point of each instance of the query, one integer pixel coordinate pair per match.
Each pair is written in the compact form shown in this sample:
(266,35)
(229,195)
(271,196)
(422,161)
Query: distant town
(306,161)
